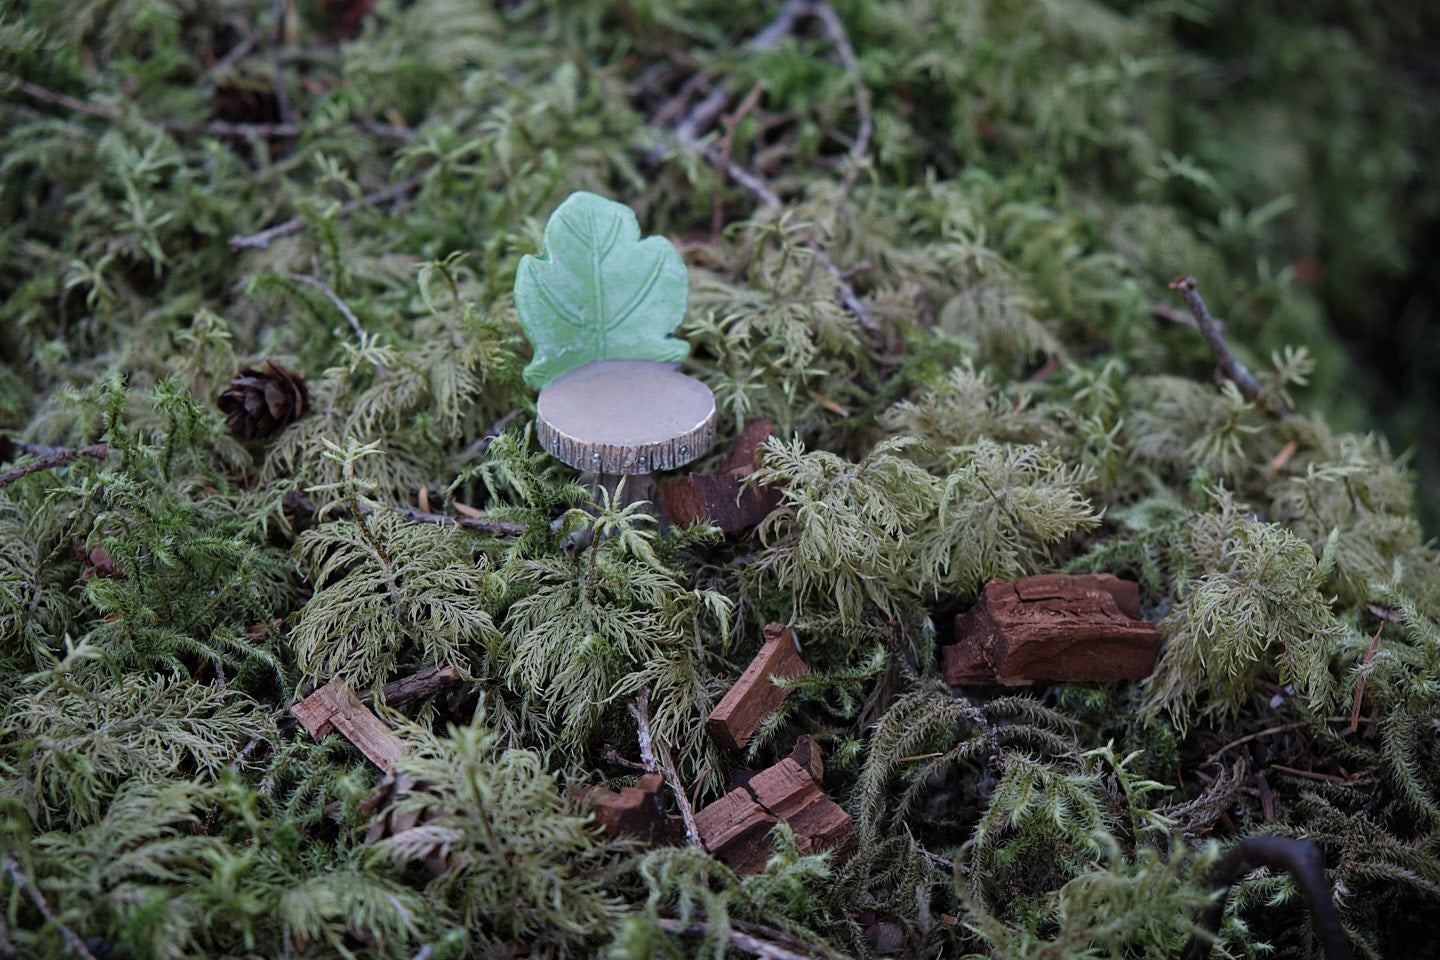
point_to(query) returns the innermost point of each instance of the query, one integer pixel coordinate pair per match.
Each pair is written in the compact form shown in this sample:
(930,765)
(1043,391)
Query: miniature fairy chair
(599,307)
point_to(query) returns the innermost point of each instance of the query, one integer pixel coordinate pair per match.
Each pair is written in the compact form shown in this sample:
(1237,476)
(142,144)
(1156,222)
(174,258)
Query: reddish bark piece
(788,791)
(754,697)
(744,455)
(335,707)
(737,830)
(1053,628)
(807,753)
(724,498)
(422,683)
(633,811)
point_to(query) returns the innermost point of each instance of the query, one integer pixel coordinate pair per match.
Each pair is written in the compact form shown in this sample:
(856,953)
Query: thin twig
(672,106)
(501,528)
(1174,314)
(278,11)
(340,305)
(1304,862)
(732,120)
(752,944)
(263,239)
(687,812)
(72,939)
(860,148)
(790,13)
(662,761)
(233,56)
(1253,736)
(761,190)
(1312,775)
(484,440)
(609,754)
(703,114)
(935,858)
(213,128)
(240,757)
(58,458)
(640,710)
(1360,687)
(1232,368)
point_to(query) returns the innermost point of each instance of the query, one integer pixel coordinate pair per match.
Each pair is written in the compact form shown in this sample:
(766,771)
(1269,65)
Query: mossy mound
(930,242)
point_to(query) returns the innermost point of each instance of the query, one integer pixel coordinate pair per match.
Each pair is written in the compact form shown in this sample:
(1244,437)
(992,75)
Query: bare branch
(279,10)
(687,812)
(704,113)
(501,528)
(263,239)
(656,756)
(835,30)
(1304,862)
(1210,329)
(753,939)
(213,128)
(340,305)
(640,710)
(58,457)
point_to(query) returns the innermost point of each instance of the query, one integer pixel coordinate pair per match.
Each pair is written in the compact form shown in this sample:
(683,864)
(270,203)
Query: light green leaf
(599,292)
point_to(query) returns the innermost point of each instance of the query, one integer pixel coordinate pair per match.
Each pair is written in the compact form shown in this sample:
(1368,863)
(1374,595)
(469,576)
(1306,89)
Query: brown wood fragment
(807,754)
(753,697)
(744,455)
(736,828)
(421,683)
(335,707)
(1052,628)
(634,811)
(787,791)
(724,498)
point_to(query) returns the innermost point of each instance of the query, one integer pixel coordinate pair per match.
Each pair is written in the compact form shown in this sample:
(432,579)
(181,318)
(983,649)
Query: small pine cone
(259,403)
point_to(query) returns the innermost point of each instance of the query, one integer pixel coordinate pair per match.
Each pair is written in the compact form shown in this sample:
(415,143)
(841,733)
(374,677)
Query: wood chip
(335,707)
(724,499)
(736,828)
(754,697)
(787,791)
(635,811)
(1052,628)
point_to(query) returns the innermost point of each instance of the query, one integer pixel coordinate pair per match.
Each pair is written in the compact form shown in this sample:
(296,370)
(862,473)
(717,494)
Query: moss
(961,332)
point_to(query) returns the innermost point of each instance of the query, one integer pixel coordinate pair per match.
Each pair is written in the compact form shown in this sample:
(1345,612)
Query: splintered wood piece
(787,791)
(625,417)
(744,456)
(335,707)
(1050,629)
(724,498)
(634,811)
(737,830)
(421,683)
(754,697)
(807,753)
